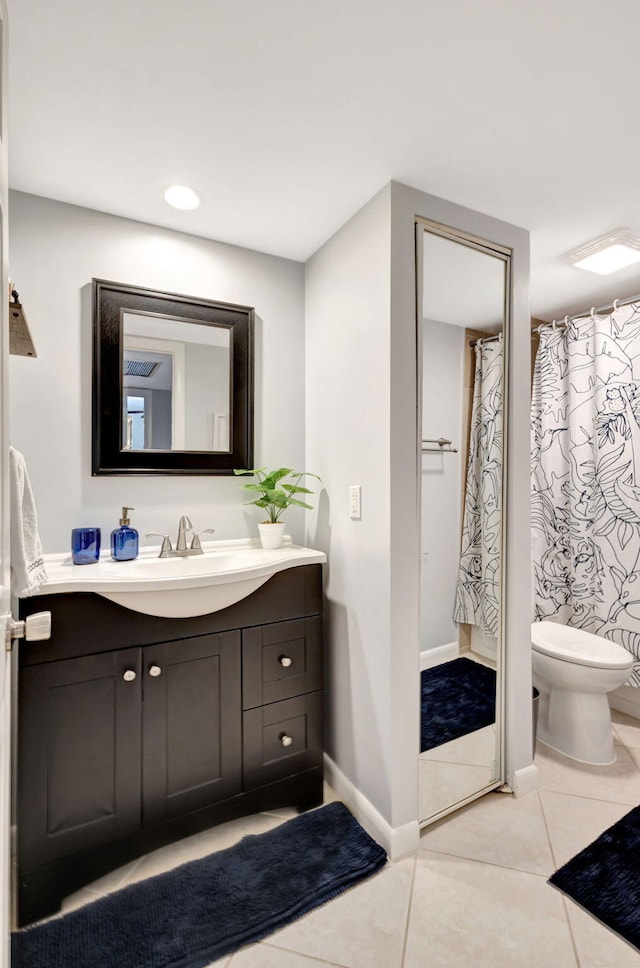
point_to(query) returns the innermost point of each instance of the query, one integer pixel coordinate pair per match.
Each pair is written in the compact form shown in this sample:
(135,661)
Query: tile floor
(474,894)
(453,771)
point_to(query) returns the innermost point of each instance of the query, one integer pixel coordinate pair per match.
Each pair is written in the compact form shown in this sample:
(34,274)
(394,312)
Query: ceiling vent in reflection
(144,368)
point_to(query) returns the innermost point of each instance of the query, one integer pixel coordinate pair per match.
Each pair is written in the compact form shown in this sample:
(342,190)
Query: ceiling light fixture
(179,196)
(610,252)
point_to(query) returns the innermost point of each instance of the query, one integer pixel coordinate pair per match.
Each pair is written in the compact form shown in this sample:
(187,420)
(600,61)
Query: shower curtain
(585,427)
(478,586)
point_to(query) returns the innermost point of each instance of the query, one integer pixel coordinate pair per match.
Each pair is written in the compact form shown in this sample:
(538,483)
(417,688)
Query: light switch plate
(355,498)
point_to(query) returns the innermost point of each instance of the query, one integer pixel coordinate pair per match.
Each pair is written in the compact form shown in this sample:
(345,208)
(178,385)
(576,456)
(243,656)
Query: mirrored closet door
(463,286)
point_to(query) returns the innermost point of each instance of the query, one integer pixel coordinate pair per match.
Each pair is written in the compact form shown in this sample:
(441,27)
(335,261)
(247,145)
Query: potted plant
(276,494)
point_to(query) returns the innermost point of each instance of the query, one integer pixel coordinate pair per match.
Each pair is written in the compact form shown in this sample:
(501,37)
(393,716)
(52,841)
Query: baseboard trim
(626,699)
(442,653)
(397,841)
(524,781)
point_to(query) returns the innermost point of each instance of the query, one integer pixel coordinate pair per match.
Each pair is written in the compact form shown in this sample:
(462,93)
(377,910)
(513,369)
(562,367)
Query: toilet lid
(575,645)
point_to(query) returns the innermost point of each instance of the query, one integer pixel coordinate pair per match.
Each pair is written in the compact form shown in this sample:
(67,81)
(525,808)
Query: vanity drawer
(280,661)
(281,739)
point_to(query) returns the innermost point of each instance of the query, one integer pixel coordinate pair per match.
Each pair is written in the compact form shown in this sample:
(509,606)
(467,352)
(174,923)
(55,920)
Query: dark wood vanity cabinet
(131,735)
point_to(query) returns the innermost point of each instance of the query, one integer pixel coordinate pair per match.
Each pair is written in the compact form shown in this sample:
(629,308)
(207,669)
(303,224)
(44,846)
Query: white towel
(27,563)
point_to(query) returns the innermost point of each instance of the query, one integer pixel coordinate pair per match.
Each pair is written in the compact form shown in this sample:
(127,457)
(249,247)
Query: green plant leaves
(276,496)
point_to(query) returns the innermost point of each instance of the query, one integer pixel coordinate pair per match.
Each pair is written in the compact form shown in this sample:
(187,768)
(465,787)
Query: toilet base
(577,724)
(575,758)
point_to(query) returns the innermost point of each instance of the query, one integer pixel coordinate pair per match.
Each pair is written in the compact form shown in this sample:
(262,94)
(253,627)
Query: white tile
(499,829)
(619,782)
(114,880)
(597,946)
(362,928)
(440,785)
(466,913)
(199,845)
(265,956)
(574,822)
(475,749)
(227,834)
(78,900)
(288,813)
(626,728)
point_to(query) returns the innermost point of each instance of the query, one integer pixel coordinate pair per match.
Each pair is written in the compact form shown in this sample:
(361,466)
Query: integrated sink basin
(227,572)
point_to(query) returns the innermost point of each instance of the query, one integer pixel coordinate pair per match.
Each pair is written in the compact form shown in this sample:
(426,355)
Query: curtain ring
(553,325)
(615,305)
(593,312)
(538,328)
(500,337)
(566,320)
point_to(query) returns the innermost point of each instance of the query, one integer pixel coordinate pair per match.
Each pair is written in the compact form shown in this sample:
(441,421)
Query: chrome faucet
(180,550)
(184,525)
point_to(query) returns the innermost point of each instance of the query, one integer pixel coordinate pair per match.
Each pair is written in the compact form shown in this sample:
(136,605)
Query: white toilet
(574,670)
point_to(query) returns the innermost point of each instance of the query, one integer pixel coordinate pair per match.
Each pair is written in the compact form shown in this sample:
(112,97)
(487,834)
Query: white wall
(362,427)
(206,392)
(347,431)
(442,481)
(55,251)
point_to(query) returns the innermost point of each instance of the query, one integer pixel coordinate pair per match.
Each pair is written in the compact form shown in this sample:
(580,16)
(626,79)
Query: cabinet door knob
(285,661)
(129,675)
(286,740)
(155,671)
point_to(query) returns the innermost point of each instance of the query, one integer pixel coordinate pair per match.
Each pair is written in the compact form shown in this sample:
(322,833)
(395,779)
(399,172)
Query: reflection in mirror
(463,325)
(175,384)
(172,383)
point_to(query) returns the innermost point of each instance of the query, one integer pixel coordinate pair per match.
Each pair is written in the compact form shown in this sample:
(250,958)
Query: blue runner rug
(605,877)
(198,912)
(458,697)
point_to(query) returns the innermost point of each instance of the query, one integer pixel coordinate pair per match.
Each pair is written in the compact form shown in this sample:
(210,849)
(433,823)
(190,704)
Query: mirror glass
(175,384)
(172,383)
(463,326)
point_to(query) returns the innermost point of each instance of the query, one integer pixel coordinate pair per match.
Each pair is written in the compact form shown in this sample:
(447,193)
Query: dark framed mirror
(172,383)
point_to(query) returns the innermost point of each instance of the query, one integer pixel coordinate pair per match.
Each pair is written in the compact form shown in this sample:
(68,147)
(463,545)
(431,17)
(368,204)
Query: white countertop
(175,587)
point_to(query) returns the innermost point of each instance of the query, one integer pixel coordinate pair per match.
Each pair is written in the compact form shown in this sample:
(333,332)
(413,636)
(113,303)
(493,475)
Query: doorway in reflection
(462,328)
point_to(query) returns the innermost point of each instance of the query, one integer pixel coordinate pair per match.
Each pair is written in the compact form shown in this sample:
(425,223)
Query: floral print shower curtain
(585,427)
(478,586)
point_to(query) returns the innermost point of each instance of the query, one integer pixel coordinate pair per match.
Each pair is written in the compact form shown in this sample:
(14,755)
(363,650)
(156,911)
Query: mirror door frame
(505,254)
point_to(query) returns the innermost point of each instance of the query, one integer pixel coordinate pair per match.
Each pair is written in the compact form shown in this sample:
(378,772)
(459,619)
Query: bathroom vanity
(135,730)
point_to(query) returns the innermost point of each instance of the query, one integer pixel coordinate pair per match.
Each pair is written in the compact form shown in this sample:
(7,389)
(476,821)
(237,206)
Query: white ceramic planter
(271,534)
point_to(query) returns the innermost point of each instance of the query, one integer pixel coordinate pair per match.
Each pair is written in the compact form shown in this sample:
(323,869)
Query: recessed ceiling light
(609,253)
(179,196)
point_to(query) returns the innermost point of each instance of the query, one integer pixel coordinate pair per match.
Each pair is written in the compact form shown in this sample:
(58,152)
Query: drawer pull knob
(129,675)
(286,740)
(155,671)
(285,661)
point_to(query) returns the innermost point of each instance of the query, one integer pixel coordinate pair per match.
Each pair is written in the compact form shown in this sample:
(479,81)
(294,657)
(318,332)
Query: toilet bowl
(574,670)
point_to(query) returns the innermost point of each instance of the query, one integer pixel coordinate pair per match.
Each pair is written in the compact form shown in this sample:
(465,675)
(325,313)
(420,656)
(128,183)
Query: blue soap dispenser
(124,540)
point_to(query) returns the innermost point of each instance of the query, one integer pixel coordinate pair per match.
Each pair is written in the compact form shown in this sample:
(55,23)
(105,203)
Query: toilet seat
(570,644)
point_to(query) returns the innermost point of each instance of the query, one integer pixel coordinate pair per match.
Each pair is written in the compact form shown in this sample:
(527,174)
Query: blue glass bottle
(124,540)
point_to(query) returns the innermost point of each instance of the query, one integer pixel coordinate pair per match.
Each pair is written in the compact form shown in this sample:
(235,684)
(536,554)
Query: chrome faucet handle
(165,550)
(184,525)
(195,541)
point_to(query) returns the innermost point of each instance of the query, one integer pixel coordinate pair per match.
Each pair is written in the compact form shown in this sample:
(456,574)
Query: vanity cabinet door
(79,754)
(281,739)
(281,660)
(191,725)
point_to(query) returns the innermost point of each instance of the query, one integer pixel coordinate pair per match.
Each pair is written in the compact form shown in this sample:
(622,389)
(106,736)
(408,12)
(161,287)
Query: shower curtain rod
(593,311)
(486,339)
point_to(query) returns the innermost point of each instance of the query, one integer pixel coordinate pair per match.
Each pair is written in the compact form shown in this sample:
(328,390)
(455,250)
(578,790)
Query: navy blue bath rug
(457,698)
(604,878)
(200,911)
